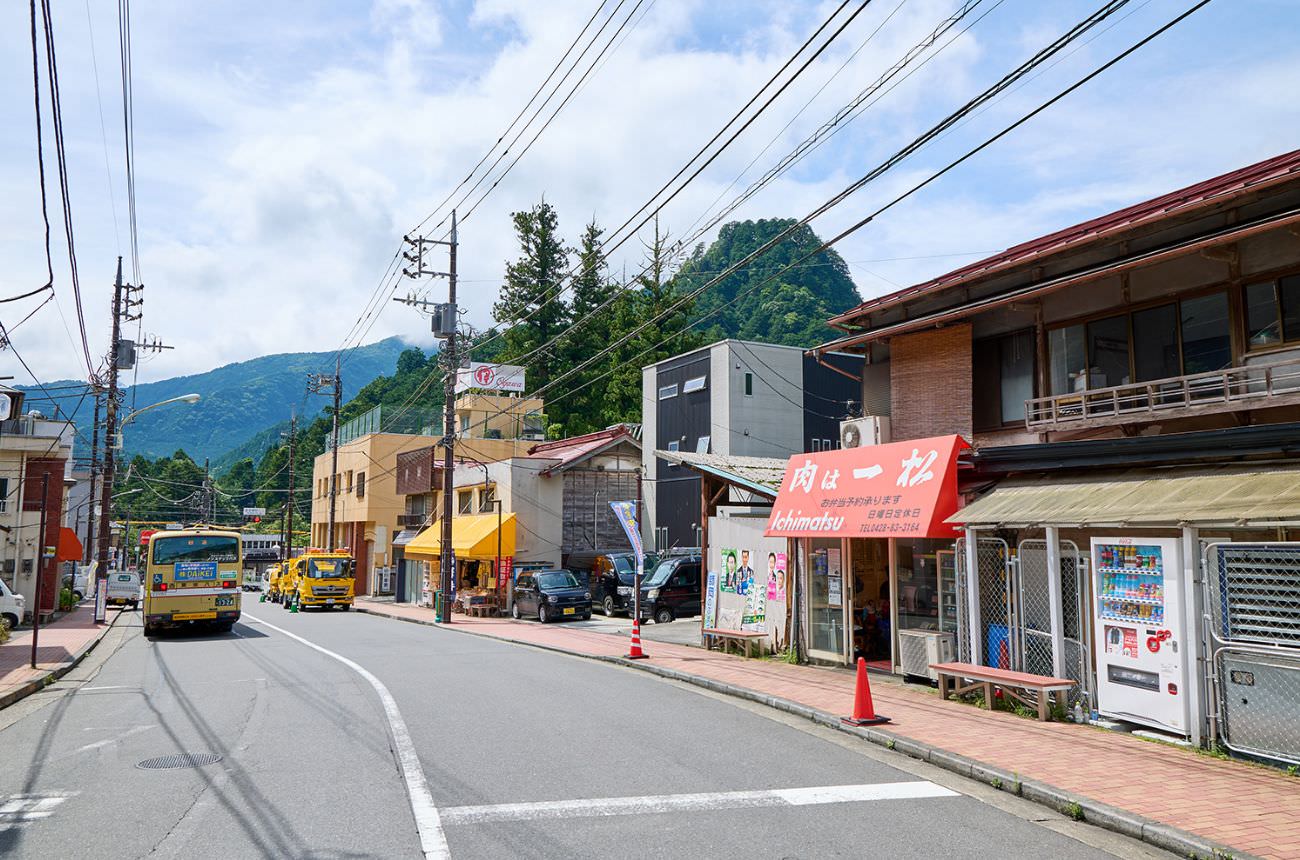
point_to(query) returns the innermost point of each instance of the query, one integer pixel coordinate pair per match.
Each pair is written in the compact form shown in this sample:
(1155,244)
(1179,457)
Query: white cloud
(283,150)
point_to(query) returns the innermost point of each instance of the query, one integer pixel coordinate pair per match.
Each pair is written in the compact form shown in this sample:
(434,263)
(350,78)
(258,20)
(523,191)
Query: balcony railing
(412,521)
(1214,391)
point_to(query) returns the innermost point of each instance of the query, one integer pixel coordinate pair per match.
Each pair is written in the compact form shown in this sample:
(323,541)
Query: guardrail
(1160,396)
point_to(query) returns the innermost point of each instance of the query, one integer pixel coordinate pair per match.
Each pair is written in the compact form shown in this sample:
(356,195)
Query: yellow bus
(192,576)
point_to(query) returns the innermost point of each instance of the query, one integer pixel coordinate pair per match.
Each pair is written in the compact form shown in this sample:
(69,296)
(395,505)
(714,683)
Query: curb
(1076,806)
(37,684)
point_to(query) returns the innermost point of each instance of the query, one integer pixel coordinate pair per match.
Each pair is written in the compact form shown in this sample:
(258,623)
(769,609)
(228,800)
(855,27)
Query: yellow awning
(472,536)
(1263,495)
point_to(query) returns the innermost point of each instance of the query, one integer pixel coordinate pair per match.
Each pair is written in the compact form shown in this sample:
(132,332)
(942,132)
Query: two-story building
(734,398)
(35,452)
(520,513)
(1131,389)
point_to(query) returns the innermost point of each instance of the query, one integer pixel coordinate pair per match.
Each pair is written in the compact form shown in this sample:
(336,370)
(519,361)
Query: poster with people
(776,568)
(730,571)
(744,574)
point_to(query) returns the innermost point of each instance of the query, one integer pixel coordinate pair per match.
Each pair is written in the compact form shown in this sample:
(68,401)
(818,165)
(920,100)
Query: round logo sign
(484,374)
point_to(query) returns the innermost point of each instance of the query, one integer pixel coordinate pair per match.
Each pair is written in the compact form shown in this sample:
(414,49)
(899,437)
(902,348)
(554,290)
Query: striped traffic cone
(636,653)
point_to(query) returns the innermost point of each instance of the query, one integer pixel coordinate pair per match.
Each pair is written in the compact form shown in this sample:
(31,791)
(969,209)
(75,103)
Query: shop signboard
(505,573)
(490,377)
(903,489)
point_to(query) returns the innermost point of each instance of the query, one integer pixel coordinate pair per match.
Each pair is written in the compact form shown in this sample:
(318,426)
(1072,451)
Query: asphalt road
(505,737)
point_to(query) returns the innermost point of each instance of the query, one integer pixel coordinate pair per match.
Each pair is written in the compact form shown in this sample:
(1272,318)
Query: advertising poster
(711,600)
(745,573)
(835,578)
(776,567)
(755,610)
(730,570)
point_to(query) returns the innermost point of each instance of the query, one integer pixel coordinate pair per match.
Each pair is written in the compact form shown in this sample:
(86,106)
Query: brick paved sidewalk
(61,643)
(1255,810)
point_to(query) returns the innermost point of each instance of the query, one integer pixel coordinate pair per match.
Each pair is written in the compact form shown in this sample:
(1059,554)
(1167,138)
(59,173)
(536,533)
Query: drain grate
(166,762)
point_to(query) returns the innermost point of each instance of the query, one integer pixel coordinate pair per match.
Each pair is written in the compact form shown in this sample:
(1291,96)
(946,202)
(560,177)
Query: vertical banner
(505,574)
(625,513)
(711,601)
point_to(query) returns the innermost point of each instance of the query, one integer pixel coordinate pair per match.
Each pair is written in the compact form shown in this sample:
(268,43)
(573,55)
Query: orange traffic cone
(864,713)
(636,653)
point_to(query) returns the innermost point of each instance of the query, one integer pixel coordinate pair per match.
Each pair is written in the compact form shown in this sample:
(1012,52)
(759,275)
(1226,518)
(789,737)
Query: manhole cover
(183,760)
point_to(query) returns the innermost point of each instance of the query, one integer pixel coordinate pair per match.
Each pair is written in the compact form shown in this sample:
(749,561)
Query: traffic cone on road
(636,653)
(293,607)
(864,713)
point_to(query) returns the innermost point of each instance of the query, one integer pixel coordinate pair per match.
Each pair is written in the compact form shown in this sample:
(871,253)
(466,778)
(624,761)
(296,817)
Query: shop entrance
(871,618)
(826,600)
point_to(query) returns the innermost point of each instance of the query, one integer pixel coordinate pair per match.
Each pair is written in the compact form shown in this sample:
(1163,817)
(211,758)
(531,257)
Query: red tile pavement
(1251,808)
(58,645)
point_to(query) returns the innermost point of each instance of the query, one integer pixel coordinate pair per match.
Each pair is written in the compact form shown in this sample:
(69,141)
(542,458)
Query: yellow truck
(322,579)
(275,574)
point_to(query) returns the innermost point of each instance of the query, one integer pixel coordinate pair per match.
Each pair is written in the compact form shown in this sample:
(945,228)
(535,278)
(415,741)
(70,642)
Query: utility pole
(288,505)
(316,383)
(122,304)
(40,562)
(444,326)
(94,472)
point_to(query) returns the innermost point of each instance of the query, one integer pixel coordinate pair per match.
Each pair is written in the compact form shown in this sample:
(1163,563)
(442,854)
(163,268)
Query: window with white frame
(694,384)
(667,392)
(702,444)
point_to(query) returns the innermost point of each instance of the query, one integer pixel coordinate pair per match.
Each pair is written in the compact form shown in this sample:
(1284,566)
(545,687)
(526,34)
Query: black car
(610,577)
(550,594)
(673,590)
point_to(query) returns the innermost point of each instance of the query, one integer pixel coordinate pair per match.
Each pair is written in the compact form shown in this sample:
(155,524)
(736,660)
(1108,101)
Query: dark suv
(550,594)
(673,590)
(610,577)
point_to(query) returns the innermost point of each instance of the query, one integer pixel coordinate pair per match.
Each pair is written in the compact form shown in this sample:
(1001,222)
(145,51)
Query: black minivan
(610,577)
(673,590)
(550,595)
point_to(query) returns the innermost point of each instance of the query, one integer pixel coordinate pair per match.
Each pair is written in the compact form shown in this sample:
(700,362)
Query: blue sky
(283,148)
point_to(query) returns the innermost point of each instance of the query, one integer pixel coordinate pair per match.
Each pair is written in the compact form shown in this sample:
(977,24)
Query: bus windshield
(328,568)
(220,548)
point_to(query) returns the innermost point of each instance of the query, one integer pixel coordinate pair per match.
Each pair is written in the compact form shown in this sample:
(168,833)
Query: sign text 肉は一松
(491,377)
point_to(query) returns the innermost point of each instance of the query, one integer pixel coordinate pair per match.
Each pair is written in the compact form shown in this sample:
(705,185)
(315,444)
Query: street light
(184,398)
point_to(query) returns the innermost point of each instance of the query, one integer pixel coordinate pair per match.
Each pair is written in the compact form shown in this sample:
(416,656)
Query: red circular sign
(483,375)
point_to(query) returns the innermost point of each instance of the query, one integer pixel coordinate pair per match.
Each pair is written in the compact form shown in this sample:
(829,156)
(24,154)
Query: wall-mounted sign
(492,377)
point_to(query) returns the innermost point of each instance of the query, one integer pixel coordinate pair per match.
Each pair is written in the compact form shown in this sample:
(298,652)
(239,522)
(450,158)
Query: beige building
(368,511)
(32,447)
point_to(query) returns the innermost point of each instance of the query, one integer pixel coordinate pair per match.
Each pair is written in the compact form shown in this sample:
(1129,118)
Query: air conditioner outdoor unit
(917,649)
(861,432)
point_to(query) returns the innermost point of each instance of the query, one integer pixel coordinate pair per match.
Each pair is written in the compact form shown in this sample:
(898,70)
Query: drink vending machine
(1140,635)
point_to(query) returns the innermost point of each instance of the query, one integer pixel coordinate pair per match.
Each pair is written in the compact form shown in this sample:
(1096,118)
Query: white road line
(97,744)
(595,807)
(433,842)
(18,809)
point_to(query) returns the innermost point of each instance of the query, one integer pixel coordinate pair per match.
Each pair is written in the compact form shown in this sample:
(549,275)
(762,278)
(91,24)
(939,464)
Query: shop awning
(903,489)
(404,537)
(1264,495)
(69,546)
(472,536)
(759,475)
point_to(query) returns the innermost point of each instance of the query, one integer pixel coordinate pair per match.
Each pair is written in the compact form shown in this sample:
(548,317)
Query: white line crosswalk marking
(596,807)
(16,809)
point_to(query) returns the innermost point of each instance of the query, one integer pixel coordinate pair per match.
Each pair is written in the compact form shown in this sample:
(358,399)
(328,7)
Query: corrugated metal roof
(1205,193)
(1224,495)
(578,448)
(762,475)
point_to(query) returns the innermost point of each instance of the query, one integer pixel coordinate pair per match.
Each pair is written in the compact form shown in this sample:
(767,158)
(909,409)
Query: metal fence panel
(995,625)
(1034,611)
(1252,614)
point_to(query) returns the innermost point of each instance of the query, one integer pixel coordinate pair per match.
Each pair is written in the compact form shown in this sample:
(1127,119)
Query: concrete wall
(735,531)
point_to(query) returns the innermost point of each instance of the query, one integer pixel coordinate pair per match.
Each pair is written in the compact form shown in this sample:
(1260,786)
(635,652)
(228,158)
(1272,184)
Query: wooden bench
(1011,683)
(714,636)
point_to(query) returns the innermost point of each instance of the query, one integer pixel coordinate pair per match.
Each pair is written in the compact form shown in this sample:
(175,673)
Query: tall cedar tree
(667,332)
(592,289)
(526,304)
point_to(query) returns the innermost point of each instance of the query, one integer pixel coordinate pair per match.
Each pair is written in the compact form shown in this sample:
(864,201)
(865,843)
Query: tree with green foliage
(529,302)
(792,308)
(595,304)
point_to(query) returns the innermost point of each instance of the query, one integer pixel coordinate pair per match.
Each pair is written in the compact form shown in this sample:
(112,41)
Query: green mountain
(241,407)
(792,309)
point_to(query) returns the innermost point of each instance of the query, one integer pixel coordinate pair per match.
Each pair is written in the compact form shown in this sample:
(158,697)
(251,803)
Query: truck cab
(321,579)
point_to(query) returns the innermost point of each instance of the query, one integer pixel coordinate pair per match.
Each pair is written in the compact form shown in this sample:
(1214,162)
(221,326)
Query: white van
(12,606)
(123,588)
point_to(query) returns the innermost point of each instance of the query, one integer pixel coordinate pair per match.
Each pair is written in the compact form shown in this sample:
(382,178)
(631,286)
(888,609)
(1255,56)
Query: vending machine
(1140,635)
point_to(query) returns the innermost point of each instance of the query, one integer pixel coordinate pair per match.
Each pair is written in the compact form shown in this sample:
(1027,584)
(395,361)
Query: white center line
(433,842)
(595,807)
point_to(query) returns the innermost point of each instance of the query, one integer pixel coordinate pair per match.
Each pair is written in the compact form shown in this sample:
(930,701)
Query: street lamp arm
(184,398)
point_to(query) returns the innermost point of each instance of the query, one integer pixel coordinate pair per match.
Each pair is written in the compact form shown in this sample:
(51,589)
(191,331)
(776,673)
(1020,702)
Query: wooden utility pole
(110,443)
(316,383)
(40,562)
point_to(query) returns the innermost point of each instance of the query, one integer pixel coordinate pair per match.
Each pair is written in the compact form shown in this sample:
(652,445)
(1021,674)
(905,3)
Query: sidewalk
(61,646)
(1177,799)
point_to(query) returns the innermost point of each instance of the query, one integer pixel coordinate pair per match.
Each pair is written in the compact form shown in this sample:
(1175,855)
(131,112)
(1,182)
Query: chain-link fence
(994,626)
(1252,597)
(1034,609)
